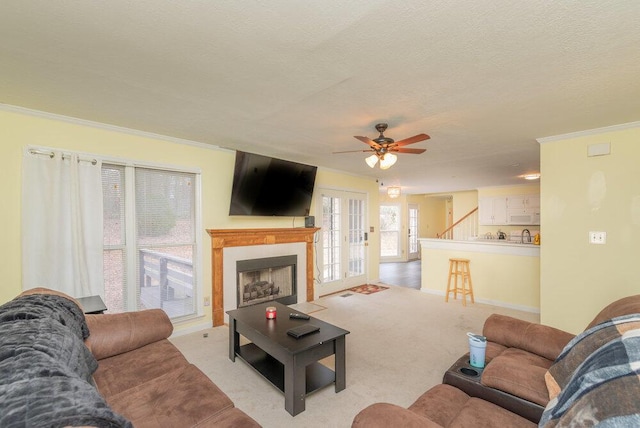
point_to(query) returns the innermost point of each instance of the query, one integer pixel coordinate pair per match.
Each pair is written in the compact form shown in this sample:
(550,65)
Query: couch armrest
(539,339)
(113,334)
(385,415)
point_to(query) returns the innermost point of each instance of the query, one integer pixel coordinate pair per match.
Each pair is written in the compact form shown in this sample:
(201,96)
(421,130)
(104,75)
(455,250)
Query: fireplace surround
(224,238)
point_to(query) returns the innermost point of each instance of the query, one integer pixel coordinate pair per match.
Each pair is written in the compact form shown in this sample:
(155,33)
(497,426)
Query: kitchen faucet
(522,236)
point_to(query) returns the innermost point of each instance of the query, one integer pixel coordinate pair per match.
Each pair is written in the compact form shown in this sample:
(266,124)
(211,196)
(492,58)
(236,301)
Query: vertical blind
(149,239)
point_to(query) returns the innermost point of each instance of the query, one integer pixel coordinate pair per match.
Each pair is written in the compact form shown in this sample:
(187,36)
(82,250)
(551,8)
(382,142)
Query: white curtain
(62,240)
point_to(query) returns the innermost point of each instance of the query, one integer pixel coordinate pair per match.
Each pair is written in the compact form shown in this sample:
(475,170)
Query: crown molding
(588,132)
(106,127)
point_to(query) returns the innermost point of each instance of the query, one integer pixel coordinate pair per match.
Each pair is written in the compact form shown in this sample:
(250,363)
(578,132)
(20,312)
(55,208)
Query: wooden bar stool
(459,268)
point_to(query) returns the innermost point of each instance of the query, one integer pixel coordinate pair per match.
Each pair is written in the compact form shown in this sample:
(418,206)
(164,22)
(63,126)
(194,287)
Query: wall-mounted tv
(266,186)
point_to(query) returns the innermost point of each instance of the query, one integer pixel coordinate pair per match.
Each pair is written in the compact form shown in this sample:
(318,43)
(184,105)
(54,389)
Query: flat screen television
(266,186)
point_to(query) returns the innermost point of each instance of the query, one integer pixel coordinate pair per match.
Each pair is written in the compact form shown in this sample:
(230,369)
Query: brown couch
(145,378)
(140,375)
(519,353)
(517,378)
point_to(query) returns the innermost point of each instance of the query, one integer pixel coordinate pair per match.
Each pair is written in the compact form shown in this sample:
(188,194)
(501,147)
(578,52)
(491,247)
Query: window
(150,239)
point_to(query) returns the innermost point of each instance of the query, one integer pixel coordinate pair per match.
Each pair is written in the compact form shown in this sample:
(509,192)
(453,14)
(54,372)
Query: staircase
(463,229)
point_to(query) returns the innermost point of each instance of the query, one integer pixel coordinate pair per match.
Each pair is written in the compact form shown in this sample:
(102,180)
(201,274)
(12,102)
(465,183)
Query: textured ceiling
(298,79)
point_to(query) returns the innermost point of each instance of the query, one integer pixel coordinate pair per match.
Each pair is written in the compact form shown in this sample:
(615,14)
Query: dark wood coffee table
(289,364)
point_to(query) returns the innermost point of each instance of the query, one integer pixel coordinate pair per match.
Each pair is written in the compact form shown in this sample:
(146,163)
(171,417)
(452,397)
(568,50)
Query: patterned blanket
(45,367)
(595,380)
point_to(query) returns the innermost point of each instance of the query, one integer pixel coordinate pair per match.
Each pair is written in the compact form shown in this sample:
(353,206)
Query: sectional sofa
(59,367)
(537,375)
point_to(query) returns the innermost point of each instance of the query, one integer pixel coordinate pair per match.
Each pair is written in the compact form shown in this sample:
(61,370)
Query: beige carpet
(401,343)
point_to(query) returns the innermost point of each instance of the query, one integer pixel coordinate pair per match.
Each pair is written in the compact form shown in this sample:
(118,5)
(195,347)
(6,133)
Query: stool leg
(446,297)
(470,283)
(455,279)
(463,290)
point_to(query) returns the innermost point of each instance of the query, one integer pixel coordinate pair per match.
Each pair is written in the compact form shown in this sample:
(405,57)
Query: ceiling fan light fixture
(393,192)
(371,160)
(388,160)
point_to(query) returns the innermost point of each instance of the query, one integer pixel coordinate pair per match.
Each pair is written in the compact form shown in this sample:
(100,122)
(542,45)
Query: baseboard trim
(490,302)
(192,328)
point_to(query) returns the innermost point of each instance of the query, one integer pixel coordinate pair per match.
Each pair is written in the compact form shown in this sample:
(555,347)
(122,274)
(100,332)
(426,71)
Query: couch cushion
(113,334)
(125,371)
(440,404)
(518,373)
(390,415)
(450,407)
(535,338)
(181,397)
(479,413)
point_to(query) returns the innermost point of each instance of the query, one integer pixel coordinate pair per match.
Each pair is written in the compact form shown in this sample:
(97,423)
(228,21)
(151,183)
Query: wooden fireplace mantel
(222,238)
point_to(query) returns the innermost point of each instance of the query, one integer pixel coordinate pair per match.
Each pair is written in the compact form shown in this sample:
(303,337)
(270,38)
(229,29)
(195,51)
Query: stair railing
(462,229)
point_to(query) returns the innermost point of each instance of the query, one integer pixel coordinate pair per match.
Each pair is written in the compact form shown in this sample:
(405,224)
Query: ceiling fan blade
(412,151)
(354,151)
(368,141)
(412,140)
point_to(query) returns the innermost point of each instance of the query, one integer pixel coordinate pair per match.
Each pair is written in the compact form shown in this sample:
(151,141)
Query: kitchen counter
(503,272)
(485,245)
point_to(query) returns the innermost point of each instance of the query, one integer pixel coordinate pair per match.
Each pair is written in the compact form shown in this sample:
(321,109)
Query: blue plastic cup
(477,350)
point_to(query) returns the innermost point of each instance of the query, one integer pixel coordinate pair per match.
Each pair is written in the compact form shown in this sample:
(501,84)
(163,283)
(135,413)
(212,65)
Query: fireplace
(230,245)
(267,279)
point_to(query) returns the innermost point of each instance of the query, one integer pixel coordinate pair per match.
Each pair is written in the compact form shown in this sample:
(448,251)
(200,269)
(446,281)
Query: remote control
(299,316)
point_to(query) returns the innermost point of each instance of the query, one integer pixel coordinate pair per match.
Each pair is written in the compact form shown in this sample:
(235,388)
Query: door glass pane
(389,230)
(413,230)
(356,237)
(331,238)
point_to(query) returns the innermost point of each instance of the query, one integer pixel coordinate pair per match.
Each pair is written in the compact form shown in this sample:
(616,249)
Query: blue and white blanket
(597,378)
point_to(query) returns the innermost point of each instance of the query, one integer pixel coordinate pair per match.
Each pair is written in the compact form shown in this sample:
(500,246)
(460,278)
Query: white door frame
(413,232)
(351,240)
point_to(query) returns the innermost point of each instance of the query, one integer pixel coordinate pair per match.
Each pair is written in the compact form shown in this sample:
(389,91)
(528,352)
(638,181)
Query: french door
(343,254)
(414,247)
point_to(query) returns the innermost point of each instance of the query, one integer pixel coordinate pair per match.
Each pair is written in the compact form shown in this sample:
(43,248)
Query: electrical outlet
(207,301)
(597,237)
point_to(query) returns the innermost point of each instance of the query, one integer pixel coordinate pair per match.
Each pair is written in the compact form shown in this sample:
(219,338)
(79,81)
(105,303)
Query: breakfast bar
(504,273)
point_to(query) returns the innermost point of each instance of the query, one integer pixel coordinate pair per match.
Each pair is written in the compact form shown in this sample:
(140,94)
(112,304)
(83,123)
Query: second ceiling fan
(383,148)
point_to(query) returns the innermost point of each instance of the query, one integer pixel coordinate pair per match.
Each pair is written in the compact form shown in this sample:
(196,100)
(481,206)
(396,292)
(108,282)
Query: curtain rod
(52,154)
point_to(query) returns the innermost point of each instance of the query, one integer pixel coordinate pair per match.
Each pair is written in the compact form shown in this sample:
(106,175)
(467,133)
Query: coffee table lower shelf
(317,375)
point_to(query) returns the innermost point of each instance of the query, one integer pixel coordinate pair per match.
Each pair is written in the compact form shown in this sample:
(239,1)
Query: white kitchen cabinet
(523,209)
(492,211)
(509,210)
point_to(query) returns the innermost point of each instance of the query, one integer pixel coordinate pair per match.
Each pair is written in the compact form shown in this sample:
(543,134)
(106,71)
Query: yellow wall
(463,202)
(581,194)
(486,192)
(19,128)
(432,214)
(502,279)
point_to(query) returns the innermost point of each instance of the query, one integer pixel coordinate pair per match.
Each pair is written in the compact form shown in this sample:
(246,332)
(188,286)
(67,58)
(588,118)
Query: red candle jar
(271,312)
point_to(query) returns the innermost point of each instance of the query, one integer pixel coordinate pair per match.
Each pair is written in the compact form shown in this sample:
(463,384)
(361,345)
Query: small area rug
(368,288)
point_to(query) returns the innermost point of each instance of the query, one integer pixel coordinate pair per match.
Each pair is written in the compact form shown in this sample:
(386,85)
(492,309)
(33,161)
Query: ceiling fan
(383,148)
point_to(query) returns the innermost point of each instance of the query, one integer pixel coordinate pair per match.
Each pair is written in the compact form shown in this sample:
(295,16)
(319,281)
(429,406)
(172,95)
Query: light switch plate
(597,237)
